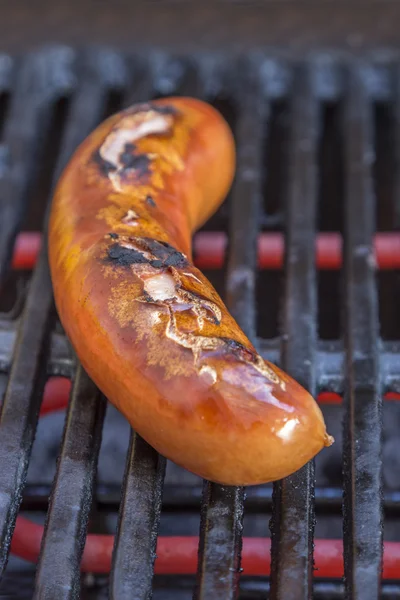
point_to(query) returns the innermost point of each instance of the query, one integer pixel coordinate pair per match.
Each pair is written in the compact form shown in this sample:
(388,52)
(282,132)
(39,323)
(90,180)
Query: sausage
(147,325)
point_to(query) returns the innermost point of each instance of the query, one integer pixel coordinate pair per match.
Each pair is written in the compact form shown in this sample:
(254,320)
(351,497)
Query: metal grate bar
(19,585)
(293,510)
(222,507)
(246,209)
(396,146)
(322,590)
(74,484)
(363,421)
(21,404)
(220,542)
(6,73)
(172,75)
(136,537)
(186,499)
(88,105)
(20,408)
(329,359)
(135,542)
(42,79)
(25,387)
(47,77)
(58,574)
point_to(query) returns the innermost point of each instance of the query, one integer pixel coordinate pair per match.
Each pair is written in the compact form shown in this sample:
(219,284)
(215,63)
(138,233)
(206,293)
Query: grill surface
(84,88)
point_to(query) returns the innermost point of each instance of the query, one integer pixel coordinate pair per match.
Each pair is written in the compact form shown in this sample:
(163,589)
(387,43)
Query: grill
(317,186)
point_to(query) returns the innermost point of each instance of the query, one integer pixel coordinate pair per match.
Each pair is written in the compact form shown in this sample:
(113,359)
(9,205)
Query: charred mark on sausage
(247,355)
(114,236)
(150,201)
(159,255)
(147,297)
(170,256)
(125,257)
(105,167)
(129,160)
(239,350)
(165,109)
(118,158)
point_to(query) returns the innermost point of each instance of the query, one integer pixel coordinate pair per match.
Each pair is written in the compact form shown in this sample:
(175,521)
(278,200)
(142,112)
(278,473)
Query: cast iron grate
(361,366)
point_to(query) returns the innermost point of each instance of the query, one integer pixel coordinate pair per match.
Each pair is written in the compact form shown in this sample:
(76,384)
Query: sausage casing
(146,324)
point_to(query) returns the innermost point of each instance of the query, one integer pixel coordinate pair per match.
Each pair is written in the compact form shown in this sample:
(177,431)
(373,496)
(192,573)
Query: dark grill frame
(34,351)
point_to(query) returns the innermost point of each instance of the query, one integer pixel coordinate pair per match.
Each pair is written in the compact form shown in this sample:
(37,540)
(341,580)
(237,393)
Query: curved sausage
(147,326)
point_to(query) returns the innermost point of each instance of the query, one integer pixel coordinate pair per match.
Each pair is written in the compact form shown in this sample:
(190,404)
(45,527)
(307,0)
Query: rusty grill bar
(31,350)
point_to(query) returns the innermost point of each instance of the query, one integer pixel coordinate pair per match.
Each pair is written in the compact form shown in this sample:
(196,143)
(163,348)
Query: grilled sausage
(147,325)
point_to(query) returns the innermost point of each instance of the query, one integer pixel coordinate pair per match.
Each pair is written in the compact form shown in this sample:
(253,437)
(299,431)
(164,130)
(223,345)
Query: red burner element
(210,248)
(56,395)
(26,250)
(57,392)
(178,555)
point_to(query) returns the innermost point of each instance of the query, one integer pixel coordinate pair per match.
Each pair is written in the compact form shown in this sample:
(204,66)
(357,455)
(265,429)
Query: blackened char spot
(174,260)
(239,350)
(164,252)
(129,147)
(162,255)
(139,162)
(114,236)
(125,257)
(137,108)
(150,201)
(104,166)
(147,296)
(157,264)
(164,109)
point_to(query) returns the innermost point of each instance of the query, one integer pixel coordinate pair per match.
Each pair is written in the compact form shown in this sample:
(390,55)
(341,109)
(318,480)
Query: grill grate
(293,516)
(31,348)
(363,420)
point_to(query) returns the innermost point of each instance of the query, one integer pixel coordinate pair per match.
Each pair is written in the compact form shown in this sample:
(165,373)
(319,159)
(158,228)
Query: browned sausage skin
(146,324)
